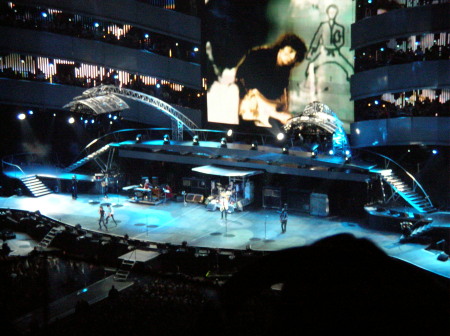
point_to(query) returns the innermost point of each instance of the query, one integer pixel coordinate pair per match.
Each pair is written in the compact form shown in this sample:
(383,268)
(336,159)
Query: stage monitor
(269,59)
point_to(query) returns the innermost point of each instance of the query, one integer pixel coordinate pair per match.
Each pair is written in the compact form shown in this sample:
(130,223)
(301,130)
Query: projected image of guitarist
(262,77)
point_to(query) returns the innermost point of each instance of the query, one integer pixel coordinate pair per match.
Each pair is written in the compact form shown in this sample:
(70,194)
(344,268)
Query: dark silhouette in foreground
(338,284)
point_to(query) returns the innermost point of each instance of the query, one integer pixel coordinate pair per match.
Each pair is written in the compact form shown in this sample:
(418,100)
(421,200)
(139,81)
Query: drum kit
(220,195)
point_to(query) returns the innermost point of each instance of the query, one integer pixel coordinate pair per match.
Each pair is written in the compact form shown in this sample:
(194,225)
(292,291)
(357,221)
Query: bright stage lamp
(195,141)
(280,136)
(166,139)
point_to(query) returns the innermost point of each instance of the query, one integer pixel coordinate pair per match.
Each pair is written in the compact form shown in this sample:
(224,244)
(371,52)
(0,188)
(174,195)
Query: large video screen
(268,59)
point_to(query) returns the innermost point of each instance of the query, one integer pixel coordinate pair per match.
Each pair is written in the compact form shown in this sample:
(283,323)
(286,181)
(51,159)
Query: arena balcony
(145,14)
(92,28)
(96,53)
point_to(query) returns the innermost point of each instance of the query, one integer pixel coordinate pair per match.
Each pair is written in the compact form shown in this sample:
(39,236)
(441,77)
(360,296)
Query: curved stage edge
(176,223)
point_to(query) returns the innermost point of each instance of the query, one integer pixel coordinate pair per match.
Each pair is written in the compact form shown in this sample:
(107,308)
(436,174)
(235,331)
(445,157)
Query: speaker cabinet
(271,197)
(442,256)
(211,207)
(194,198)
(319,205)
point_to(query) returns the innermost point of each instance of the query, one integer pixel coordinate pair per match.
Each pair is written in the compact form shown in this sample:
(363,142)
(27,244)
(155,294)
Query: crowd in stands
(376,7)
(154,305)
(186,97)
(365,110)
(92,29)
(29,282)
(370,59)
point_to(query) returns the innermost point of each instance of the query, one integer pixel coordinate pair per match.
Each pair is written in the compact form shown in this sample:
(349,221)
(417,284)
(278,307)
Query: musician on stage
(105,186)
(147,184)
(168,191)
(283,218)
(74,187)
(223,205)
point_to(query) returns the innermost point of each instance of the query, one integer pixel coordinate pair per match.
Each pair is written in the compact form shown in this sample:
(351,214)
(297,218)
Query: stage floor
(256,228)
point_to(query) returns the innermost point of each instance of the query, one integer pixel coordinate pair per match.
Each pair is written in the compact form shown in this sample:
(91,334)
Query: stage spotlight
(280,136)
(195,141)
(285,150)
(30,112)
(71,120)
(223,143)
(434,151)
(347,159)
(139,138)
(331,152)
(254,145)
(230,132)
(166,139)
(21,116)
(347,153)
(313,154)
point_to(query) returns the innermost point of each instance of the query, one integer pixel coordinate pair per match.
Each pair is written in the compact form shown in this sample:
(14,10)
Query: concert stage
(255,228)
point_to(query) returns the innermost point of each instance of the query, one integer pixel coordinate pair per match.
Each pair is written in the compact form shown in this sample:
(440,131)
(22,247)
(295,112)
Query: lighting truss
(178,119)
(319,119)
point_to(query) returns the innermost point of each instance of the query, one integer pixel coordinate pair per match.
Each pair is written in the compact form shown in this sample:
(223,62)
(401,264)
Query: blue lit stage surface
(259,229)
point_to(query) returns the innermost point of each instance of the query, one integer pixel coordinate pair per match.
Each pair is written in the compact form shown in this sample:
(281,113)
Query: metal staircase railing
(413,193)
(86,159)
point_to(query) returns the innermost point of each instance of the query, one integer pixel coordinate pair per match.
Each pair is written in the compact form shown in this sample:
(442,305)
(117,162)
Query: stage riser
(386,223)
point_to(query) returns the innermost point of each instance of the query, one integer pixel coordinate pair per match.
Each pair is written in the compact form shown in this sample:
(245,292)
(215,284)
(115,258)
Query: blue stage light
(223,143)
(434,151)
(195,140)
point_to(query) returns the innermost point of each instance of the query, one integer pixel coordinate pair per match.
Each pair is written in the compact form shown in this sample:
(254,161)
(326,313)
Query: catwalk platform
(254,228)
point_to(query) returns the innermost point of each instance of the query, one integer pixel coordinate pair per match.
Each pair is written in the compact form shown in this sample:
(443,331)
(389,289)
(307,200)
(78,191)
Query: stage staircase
(420,203)
(420,231)
(124,270)
(90,157)
(35,186)
(47,240)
